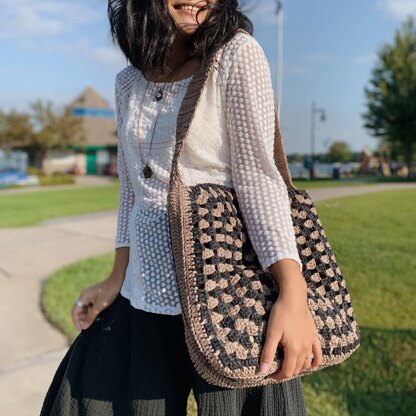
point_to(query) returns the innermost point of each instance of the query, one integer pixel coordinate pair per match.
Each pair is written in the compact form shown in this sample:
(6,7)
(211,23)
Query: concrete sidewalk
(318,194)
(30,348)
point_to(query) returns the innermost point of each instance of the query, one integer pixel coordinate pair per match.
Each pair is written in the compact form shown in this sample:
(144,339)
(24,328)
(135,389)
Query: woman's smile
(188,10)
(189,5)
(183,7)
(185,12)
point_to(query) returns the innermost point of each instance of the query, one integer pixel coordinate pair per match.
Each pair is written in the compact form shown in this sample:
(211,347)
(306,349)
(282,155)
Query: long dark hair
(145,31)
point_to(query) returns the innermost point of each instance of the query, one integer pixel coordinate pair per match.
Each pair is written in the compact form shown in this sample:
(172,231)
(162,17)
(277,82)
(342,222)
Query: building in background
(98,155)
(100,126)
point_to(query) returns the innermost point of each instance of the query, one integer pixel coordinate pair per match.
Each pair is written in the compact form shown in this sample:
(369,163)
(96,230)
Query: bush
(56,179)
(33,170)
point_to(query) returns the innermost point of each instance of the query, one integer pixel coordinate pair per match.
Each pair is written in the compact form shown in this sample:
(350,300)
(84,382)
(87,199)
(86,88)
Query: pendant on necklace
(147,171)
(159,95)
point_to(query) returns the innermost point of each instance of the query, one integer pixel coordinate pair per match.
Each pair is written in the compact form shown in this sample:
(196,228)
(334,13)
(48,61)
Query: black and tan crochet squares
(235,295)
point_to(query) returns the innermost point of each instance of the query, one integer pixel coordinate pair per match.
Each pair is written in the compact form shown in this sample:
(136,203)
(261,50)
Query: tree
(54,129)
(15,129)
(295,157)
(391,95)
(340,152)
(42,129)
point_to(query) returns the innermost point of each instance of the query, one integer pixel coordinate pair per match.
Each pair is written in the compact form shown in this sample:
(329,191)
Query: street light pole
(279,64)
(314,110)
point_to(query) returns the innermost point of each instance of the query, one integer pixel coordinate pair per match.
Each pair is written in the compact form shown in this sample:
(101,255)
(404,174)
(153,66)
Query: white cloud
(56,45)
(42,18)
(400,9)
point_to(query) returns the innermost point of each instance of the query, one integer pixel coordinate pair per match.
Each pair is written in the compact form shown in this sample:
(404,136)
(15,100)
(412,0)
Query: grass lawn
(373,238)
(31,208)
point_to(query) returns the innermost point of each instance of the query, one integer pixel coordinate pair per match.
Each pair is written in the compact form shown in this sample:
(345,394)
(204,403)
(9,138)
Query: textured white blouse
(230,141)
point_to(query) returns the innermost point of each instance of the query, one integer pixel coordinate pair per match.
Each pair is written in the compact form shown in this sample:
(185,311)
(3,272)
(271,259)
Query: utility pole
(314,110)
(279,65)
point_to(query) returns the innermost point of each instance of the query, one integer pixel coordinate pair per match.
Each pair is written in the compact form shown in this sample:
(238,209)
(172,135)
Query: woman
(130,357)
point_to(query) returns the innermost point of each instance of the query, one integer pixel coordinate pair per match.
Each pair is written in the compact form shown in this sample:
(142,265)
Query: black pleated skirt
(130,362)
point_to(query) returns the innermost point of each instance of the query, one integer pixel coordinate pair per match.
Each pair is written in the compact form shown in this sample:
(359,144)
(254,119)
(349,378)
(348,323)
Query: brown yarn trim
(279,153)
(177,219)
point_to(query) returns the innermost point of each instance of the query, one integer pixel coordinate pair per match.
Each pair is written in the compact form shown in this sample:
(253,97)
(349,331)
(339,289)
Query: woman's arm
(126,194)
(260,189)
(121,261)
(265,206)
(101,295)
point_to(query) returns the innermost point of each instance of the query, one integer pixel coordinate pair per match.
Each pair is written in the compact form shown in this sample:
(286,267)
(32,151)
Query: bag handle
(279,153)
(187,112)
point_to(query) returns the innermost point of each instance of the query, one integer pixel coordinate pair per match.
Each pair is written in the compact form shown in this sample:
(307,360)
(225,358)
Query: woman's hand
(100,296)
(95,299)
(291,324)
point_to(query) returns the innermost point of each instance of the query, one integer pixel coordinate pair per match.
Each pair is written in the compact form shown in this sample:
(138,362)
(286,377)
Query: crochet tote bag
(225,295)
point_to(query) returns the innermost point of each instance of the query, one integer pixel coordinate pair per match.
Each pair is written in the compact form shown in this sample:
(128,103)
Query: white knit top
(230,141)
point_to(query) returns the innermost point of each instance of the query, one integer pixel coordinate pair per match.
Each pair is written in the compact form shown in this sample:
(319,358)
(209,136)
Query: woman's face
(184,14)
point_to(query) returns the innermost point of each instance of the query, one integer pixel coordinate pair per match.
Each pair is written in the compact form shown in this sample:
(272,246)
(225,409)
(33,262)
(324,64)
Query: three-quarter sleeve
(126,194)
(259,186)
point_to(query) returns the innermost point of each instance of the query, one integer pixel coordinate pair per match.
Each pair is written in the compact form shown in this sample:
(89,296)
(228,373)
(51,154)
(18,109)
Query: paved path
(318,194)
(30,348)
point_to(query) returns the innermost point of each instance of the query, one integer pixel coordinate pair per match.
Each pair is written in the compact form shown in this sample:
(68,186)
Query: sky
(53,49)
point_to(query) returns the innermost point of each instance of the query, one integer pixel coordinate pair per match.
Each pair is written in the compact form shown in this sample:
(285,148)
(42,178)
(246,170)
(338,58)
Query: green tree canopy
(41,129)
(54,129)
(15,129)
(340,152)
(391,95)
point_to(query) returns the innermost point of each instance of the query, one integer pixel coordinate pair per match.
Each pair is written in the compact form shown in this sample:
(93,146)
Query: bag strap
(187,112)
(279,153)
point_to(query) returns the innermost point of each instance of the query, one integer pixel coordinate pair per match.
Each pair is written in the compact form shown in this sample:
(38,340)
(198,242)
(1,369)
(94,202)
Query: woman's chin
(187,28)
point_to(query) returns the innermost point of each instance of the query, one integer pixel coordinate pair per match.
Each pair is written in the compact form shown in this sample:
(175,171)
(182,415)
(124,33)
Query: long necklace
(147,171)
